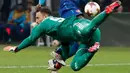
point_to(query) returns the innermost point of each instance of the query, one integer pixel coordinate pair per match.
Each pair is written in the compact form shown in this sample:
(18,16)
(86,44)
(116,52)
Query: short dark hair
(44,9)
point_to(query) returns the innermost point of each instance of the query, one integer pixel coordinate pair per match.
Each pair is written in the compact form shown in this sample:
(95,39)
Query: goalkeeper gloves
(11,49)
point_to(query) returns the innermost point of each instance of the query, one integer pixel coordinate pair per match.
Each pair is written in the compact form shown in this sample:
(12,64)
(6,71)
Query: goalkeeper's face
(40,17)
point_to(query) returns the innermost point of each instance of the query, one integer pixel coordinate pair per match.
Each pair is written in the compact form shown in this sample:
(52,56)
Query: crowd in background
(15,16)
(15,21)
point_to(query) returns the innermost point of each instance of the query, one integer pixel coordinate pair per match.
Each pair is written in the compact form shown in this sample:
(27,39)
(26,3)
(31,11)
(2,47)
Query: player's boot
(94,48)
(112,6)
(58,58)
(53,72)
(54,65)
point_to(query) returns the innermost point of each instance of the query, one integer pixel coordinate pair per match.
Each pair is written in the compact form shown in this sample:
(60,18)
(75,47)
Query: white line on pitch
(113,64)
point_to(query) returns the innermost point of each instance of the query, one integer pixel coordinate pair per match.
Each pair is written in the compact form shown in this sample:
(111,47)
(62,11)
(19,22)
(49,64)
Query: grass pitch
(34,60)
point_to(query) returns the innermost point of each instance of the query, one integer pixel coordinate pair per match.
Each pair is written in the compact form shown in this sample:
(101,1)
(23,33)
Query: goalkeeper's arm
(36,33)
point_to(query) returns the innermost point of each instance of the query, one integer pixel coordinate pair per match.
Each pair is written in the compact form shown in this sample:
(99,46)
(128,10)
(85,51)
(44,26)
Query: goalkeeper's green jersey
(64,30)
(50,26)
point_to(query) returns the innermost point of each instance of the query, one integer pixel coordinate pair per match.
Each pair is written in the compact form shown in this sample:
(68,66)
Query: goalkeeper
(68,8)
(67,30)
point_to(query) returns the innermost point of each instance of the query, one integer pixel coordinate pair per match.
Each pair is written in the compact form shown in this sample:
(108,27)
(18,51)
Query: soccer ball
(92,9)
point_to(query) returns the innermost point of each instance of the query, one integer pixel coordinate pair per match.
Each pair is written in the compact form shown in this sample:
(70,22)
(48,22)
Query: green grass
(38,56)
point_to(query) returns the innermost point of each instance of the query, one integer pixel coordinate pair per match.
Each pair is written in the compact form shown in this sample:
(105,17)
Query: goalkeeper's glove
(11,49)
(94,48)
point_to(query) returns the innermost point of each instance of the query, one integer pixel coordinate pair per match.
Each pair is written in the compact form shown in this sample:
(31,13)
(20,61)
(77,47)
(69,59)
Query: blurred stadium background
(113,56)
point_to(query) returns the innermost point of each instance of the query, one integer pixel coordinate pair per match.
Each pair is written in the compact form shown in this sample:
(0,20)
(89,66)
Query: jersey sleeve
(36,33)
(42,2)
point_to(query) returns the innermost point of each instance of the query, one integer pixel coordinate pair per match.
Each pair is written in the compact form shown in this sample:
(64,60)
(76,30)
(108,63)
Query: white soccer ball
(92,9)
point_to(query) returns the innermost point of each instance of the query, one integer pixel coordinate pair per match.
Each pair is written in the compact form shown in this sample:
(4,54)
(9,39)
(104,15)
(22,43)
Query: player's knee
(75,67)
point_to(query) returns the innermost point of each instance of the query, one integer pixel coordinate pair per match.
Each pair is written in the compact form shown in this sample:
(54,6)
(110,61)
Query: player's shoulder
(47,19)
(55,19)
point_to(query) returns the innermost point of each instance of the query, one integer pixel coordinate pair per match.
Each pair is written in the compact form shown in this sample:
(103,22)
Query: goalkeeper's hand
(10,48)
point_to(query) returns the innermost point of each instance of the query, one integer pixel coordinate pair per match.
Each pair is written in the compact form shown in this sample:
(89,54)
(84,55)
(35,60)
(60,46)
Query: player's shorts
(68,8)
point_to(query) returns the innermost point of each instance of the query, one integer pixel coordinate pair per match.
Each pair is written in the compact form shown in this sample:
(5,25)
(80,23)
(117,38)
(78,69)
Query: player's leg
(83,55)
(96,21)
(65,50)
(58,62)
(68,8)
(78,58)
(62,53)
(68,50)
(73,47)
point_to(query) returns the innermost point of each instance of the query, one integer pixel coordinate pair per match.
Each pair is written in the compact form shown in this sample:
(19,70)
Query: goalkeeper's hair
(44,9)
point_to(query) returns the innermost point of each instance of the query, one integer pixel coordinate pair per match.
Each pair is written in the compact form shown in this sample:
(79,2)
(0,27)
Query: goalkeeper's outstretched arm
(36,33)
